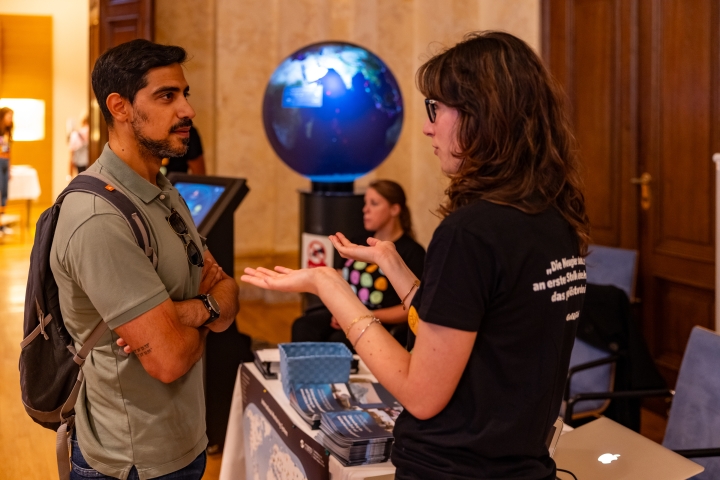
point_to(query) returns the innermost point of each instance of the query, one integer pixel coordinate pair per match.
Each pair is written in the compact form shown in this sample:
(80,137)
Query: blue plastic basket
(313,362)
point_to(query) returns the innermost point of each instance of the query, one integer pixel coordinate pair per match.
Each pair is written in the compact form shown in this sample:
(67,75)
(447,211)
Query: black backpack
(50,367)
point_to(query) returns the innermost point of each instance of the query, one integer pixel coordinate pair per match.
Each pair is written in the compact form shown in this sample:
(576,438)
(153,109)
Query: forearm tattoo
(142,351)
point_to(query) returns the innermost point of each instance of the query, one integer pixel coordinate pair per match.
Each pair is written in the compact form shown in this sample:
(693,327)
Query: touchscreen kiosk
(212,202)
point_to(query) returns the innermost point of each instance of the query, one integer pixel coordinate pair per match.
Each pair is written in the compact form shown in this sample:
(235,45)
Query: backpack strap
(62,445)
(96,184)
(101,186)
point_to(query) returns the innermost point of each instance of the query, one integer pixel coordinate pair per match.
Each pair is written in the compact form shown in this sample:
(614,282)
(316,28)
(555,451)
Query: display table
(233,465)
(24,185)
(233,462)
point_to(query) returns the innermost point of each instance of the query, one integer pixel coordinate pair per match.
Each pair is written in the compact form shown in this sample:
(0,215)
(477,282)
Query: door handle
(645,195)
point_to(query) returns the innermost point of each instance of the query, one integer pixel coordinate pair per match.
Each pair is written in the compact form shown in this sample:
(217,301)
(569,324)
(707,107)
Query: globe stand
(327,209)
(333,187)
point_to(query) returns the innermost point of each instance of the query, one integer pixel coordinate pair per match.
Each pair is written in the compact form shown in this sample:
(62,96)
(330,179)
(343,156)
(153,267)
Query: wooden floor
(27,450)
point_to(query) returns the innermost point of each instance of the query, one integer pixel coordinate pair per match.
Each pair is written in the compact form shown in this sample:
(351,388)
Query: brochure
(356,419)
(358,437)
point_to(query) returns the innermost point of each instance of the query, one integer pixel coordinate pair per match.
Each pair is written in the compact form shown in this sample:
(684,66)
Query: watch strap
(203,297)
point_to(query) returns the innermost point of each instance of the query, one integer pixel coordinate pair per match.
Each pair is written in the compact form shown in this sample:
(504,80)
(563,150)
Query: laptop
(604,449)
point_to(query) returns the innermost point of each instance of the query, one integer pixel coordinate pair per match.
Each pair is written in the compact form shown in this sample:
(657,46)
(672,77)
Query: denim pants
(81,470)
(4,178)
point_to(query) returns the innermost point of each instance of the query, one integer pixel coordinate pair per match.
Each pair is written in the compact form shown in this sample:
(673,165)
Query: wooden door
(113,22)
(643,81)
(589,46)
(679,104)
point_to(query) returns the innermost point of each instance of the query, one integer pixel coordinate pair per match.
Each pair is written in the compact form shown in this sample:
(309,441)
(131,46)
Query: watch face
(213,303)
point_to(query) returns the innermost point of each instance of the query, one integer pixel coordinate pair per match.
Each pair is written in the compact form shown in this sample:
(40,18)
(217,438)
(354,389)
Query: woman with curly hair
(494,318)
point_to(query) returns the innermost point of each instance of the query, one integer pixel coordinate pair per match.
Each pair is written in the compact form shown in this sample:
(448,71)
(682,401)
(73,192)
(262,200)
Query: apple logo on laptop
(607,458)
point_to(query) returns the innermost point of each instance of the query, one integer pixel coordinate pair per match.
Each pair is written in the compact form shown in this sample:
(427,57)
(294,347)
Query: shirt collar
(129,178)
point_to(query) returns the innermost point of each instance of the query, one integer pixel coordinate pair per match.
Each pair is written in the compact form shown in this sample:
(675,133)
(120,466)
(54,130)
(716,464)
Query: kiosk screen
(200,198)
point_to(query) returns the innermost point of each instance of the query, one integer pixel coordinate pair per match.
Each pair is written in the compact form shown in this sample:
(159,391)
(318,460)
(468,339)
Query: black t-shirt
(180,164)
(370,283)
(518,281)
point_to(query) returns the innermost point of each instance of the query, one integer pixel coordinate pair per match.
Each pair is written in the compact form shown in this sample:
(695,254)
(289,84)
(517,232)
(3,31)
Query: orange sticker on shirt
(371,268)
(413,320)
(381,284)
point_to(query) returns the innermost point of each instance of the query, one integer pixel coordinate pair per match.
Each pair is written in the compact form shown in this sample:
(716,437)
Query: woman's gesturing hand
(373,253)
(287,280)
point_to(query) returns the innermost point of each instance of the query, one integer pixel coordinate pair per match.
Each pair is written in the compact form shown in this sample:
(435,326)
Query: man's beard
(159,148)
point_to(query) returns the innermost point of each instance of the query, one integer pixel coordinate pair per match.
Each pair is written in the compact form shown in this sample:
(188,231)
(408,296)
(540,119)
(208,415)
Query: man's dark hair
(123,69)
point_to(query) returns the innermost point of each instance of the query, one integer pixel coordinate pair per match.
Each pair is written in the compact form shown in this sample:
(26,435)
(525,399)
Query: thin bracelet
(347,332)
(416,284)
(357,340)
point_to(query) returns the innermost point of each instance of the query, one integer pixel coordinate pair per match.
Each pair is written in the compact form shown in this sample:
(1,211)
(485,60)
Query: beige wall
(69,70)
(237,45)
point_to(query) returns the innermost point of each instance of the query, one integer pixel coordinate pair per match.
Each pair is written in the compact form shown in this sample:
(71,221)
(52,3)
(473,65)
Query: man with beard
(141,412)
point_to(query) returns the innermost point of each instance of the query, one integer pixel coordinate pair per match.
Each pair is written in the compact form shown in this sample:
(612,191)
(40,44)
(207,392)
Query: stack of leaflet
(358,437)
(310,401)
(268,362)
(363,433)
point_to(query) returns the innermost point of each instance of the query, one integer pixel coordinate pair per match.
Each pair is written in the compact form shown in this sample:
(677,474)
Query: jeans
(4,178)
(81,470)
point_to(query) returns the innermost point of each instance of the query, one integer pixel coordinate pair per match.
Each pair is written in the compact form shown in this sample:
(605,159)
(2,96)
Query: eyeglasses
(430,106)
(194,255)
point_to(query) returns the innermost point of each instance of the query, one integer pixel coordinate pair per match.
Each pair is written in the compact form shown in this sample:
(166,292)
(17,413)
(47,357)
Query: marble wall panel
(191,25)
(241,43)
(519,17)
(246,42)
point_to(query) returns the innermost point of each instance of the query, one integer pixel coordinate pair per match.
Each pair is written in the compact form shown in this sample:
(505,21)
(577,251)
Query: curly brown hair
(514,137)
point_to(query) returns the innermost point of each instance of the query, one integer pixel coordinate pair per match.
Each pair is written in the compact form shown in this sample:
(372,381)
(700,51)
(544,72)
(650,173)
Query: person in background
(6,128)
(386,214)
(494,320)
(192,162)
(78,146)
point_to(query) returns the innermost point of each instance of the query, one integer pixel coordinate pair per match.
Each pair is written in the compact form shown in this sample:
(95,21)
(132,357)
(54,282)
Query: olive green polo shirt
(124,417)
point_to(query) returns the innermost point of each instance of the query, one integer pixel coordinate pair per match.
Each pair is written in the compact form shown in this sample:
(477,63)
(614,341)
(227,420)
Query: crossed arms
(169,339)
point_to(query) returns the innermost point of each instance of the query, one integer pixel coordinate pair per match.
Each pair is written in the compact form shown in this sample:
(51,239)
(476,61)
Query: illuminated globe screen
(333,111)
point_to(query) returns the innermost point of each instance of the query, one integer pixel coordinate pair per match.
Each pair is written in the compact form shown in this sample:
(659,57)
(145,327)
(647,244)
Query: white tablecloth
(24,183)
(233,460)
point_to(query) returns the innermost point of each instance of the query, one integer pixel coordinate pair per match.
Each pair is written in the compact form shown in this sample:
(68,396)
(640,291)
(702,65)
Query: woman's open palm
(285,279)
(370,254)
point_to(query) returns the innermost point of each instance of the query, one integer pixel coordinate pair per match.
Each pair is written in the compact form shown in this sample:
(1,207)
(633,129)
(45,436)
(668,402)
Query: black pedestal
(329,212)
(225,351)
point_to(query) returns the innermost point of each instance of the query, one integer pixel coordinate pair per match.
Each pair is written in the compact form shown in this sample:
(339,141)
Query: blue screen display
(200,198)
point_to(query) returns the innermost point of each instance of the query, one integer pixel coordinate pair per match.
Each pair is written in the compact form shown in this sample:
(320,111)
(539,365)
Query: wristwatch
(212,307)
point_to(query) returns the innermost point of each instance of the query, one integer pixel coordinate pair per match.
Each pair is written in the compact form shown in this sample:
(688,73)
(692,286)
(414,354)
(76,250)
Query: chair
(593,369)
(693,428)
(613,266)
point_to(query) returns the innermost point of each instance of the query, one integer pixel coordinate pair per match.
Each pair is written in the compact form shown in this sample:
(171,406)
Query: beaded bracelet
(357,340)
(347,331)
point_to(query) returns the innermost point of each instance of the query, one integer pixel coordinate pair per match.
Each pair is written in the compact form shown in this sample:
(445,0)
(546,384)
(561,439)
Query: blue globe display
(333,111)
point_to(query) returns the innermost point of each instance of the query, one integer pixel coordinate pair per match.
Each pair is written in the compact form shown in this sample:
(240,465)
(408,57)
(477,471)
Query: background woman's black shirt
(195,149)
(517,281)
(370,283)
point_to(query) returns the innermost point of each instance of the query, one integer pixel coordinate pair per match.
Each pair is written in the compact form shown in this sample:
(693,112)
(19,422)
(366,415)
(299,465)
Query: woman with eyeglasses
(494,317)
